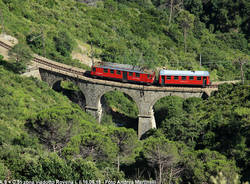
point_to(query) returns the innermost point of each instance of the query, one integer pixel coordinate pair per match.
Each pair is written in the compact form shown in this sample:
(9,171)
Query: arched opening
(178,118)
(57,86)
(120,109)
(167,107)
(70,90)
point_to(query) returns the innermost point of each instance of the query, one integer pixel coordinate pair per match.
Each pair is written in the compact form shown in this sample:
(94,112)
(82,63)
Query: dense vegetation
(220,123)
(153,33)
(44,136)
(206,132)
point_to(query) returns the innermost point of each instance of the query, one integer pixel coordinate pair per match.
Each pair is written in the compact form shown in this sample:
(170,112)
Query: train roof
(184,73)
(123,67)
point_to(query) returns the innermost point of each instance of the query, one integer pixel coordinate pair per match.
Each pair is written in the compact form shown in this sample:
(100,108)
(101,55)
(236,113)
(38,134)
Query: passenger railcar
(123,72)
(180,77)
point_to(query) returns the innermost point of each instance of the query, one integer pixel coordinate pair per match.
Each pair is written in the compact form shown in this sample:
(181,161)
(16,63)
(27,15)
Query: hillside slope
(44,136)
(134,32)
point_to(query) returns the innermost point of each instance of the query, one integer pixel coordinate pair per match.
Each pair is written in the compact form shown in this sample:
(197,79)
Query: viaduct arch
(93,89)
(144,96)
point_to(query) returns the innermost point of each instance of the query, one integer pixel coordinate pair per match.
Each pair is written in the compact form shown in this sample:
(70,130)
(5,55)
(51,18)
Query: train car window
(191,78)
(176,77)
(112,71)
(94,69)
(118,72)
(149,76)
(137,74)
(168,77)
(130,74)
(105,70)
(198,78)
(183,78)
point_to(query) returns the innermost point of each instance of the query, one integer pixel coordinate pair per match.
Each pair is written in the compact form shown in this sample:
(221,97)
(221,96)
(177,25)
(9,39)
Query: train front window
(137,74)
(191,78)
(130,74)
(183,78)
(198,78)
(112,71)
(168,77)
(94,69)
(118,72)
(105,70)
(176,77)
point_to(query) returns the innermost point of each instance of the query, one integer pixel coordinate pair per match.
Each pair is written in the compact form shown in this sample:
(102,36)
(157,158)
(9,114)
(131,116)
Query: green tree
(173,7)
(226,15)
(126,140)
(3,171)
(179,119)
(227,127)
(167,107)
(54,167)
(200,165)
(242,59)
(194,6)
(55,126)
(186,21)
(93,146)
(20,55)
(86,170)
(21,163)
(36,41)
(162,155)
(64,43)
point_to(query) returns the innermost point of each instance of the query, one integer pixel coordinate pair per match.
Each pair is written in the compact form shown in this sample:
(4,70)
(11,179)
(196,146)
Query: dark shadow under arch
(121,101)
(57,86)
(75,96)
(163,106)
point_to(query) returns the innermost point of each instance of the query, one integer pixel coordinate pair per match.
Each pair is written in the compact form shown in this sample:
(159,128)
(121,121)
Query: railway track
(4,45)
(66,68)
(59,66)
(54,65)
(73,70)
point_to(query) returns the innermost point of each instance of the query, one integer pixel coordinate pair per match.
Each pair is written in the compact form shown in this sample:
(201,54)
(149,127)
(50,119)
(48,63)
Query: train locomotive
(136,74)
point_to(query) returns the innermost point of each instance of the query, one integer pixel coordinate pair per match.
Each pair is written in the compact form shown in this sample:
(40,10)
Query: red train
(123,72)
(180,77)
(135,74)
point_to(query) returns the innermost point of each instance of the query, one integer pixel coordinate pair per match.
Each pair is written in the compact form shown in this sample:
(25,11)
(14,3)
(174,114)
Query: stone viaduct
(144,96)
(93,89)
